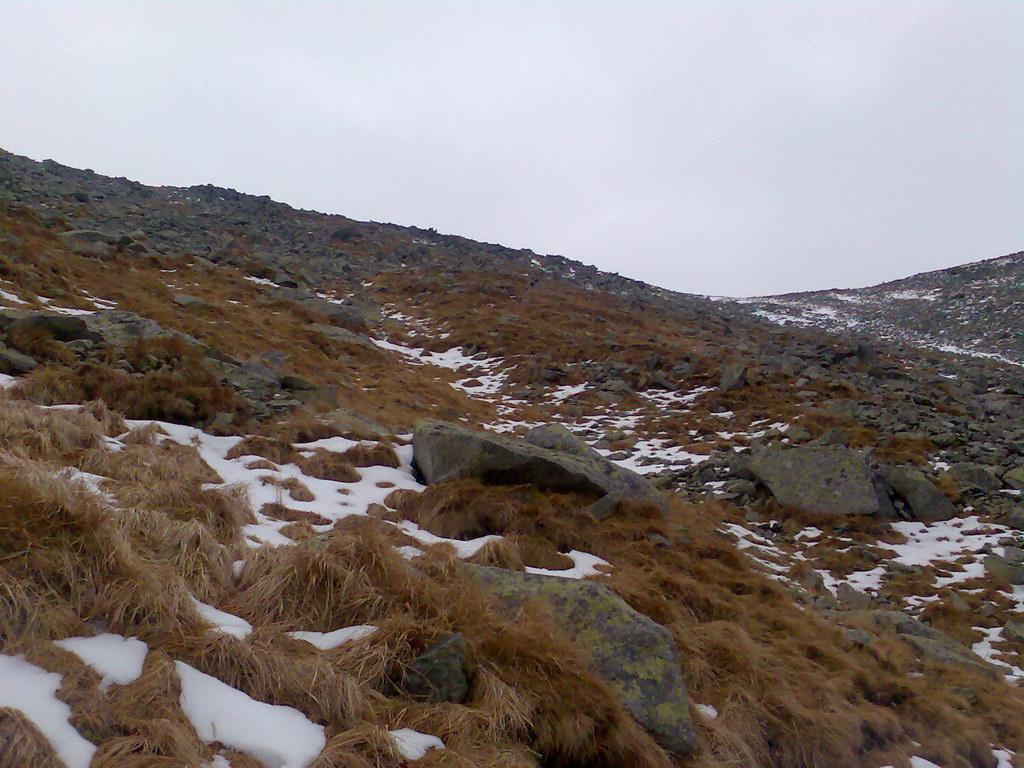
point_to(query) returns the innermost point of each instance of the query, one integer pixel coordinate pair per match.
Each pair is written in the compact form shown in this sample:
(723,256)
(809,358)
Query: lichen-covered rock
(823,479)
(120,328)
(551,458)
(633,654)
(1014,518)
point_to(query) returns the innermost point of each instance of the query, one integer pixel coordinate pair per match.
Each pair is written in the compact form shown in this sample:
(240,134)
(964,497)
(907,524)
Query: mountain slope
(215,471)
(975,309)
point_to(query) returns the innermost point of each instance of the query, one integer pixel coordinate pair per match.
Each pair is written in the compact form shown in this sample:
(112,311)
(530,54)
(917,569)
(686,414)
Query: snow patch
(327,640)
(116,658)
(227,623)
(33,692)
(413,745)
(279,737)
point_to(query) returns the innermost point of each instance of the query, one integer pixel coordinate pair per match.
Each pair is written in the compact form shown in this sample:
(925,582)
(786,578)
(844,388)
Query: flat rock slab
(822,479)
(445,451)
(633,654)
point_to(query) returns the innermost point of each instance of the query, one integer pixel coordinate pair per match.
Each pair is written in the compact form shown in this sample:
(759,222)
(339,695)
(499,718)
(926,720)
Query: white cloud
(741,147)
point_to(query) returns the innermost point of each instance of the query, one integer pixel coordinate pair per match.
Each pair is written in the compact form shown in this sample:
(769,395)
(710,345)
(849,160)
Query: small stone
(1014,630)
(857,637)
(1013,519)
(798,434)
(834,436)
(440,673)
(604,507)
(814,581)
(733,377)
(659,541)
(852,598)
(186,301)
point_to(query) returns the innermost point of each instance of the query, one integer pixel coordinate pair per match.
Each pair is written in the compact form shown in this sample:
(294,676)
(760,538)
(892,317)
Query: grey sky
(722,147)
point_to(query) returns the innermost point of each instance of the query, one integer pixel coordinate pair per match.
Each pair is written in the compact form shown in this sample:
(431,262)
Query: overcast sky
(722,147)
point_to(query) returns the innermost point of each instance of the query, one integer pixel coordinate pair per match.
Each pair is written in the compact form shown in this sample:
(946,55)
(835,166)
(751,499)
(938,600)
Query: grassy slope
(791,690)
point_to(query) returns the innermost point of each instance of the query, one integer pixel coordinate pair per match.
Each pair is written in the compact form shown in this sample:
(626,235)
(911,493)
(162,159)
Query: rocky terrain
(973,309)
(280,488)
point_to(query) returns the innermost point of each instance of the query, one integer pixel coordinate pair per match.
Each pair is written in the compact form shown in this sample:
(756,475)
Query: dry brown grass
(328,465)
(180,387)
(281,512)
(271,449)
(21,743)
(295,488)
(790,688)
(70,560)
(380,454)
(238,316)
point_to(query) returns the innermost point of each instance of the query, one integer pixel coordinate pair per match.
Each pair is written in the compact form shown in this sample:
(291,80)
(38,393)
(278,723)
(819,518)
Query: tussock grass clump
(362,455)
(165,379)
(302,426)
(271,449)
(281,512)
(56,434)
(328,465)
(169,478)
(297,489)
(294,487)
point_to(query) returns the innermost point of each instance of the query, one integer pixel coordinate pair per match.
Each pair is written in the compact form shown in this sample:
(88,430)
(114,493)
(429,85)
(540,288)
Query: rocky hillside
(279,488)
(975,309)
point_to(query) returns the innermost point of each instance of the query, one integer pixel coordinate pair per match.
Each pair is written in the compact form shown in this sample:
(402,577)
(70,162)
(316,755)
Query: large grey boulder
(925,501)
(1015,478)
(60,327)
(974,477)
(13,362)
(344,335)
(822,479)
(120,328)
(551,458)
(1009,565)
(633,654)
(90,240)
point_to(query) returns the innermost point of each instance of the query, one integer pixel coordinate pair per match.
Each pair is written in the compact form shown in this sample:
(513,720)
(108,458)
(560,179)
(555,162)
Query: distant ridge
(974,309)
